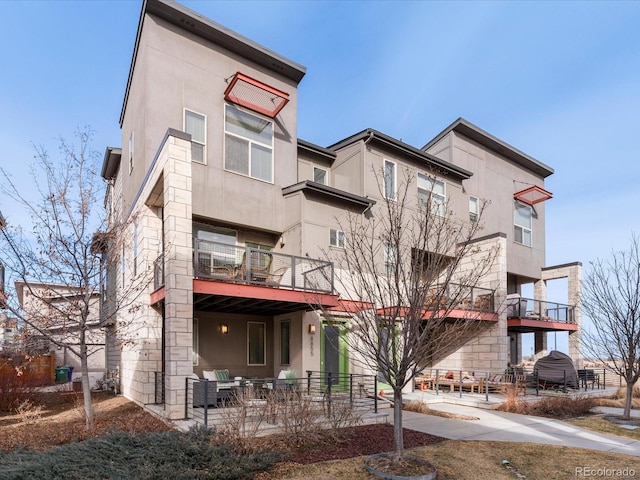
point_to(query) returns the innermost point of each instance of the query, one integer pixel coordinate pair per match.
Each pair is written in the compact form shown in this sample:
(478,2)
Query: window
(431,191)
(390,258)
(285,342)
(131,145)
(522,223)
(248,143)
(389,180)
(194,347)
(135,247)
(215,247)
(473,209)
(256,340)
(320,175)
(336,238)
(196,125)
(215,234)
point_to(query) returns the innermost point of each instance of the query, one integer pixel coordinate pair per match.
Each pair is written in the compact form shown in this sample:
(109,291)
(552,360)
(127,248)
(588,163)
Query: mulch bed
(358,441)
(62,421)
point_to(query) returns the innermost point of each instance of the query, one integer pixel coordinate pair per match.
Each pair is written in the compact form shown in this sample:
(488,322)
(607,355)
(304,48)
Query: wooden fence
(36,371)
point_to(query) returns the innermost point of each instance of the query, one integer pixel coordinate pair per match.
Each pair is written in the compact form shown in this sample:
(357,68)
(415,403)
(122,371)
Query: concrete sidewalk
(511,427)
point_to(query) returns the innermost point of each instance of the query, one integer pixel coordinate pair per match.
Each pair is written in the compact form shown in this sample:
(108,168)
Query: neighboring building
(48,327)
(9,335)
(233,213)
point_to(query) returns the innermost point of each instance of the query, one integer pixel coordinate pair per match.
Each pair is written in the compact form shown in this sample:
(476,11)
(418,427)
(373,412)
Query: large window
(285,342)
(209,254)
(248,143)
(390,258)
(256,343)
(522,223)
(336,238)
(431,191)
(389,180)
(474,209)
(196,125)
(320,175)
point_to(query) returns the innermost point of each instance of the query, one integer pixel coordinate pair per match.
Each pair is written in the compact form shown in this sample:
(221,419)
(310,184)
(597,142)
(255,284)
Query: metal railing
(158,393)
(247,265)
(205,398)
(471,297)
(523,380)
(518,307)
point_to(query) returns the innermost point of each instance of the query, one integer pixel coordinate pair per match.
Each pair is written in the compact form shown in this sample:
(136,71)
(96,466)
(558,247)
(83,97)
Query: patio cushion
(209,375)
(222,375)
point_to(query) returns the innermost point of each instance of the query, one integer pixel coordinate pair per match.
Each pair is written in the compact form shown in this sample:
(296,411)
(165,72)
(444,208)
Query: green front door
(334,356)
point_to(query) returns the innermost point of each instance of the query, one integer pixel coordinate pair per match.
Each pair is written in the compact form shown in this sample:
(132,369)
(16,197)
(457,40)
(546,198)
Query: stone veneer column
(540,345)
(489,350)
(178,274)
(573,273)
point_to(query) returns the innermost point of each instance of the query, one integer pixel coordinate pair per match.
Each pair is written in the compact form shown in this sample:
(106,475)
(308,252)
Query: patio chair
(217,384)
(588,377)
(275,277)
(503,382)
(259,267)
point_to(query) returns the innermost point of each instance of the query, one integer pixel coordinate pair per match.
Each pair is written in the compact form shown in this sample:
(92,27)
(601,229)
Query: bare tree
(56,256)
(410,264)
(611,299)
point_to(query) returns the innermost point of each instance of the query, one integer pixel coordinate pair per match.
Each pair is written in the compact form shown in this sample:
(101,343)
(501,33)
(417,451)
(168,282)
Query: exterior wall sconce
(224,328)
(312,329)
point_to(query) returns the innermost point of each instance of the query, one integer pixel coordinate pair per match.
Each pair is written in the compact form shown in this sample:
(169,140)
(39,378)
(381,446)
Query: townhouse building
(234,216)
(50,328)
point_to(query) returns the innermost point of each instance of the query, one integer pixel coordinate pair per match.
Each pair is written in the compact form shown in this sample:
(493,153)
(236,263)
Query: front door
(334,360)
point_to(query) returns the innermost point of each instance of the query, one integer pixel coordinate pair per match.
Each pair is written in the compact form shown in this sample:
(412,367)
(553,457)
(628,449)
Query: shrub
(145,456)
(621,393)
(553,407)
(15,387)
(28,412)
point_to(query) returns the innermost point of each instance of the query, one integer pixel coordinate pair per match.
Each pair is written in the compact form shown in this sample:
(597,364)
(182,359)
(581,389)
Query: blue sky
(557,80)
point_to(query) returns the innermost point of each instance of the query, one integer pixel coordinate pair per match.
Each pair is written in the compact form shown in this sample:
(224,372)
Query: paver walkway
(493,425)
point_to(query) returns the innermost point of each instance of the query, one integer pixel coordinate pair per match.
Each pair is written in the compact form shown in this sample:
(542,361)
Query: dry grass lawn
(456,460)
(599,424)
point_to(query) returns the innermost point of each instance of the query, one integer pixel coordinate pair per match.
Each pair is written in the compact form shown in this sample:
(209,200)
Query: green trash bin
(62,374)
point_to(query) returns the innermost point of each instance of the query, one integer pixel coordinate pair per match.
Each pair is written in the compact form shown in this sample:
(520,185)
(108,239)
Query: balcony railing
(231,263)
(518,307)
(471,298)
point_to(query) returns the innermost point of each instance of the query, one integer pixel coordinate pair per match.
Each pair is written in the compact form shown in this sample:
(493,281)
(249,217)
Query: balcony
(252,266)
(530,315)
(246,280)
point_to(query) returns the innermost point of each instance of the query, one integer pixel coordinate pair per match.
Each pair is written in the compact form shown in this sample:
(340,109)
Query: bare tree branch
(56,259)
(611,299)
(411,266)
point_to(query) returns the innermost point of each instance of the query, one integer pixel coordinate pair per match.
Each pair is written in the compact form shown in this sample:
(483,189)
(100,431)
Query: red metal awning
(533,195)
(255,95)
